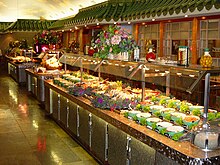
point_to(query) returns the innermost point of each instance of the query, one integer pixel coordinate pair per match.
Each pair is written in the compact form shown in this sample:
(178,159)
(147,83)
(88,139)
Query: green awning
(4,25)
(152,8)
(136,9)
(124,10)
(29,25)
(58,24)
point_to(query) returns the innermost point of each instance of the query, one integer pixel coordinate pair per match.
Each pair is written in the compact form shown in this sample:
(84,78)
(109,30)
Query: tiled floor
(27,136)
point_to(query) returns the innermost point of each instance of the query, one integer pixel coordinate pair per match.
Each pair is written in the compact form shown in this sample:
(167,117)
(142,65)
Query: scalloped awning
(4,25)
(29,25)
(133,10)
(150,8)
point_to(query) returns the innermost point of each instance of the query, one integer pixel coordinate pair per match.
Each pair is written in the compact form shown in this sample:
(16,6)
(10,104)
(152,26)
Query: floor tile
(28,137)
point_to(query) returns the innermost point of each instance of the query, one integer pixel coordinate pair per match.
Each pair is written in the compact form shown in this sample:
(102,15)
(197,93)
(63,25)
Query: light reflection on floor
(26,135)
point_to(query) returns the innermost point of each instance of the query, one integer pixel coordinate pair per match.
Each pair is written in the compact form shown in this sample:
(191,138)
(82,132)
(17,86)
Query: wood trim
(195,30)
(161,39)
(136,32)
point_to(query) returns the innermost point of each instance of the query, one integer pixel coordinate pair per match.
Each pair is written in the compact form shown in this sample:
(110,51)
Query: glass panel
(167,35)
(212,34)
(190,26)
(142,29)
(203,24)
(203,34)
(213,24)
(148,35)
(214,47)
(203,44)
(167,27)
(154,28)
(154,35)
(184,26)
(175,26)
(184,35)
(190,34)
(147,29)
(175,35)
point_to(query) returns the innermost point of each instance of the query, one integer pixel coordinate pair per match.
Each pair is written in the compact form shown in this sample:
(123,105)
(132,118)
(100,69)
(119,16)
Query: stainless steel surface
(17,71)
(206,96)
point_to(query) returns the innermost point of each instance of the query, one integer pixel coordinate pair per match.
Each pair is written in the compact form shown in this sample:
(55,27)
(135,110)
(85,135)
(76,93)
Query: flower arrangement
(113,41)
(46,37)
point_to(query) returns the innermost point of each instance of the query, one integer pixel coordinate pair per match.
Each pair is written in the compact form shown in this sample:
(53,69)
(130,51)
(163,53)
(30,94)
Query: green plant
(146,108)
(196,112)
(184,108)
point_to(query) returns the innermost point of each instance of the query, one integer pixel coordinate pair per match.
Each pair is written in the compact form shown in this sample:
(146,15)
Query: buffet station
(17,66)
(49,68)
(151,125)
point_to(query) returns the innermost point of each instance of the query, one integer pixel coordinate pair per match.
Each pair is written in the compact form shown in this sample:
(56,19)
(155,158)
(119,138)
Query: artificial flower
(113,41)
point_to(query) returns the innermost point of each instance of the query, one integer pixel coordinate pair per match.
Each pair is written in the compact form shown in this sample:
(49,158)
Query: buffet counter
(17,70)
(184,82)
(35,81)
(114,139)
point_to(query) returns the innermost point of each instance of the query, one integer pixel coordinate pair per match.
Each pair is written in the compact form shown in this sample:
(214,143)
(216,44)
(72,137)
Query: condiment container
(206,59)
(207,139)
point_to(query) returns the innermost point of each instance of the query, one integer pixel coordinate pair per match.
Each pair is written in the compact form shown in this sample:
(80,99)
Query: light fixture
(115,23)
(70,29)
(129,23)
(153,19)
(62,30)
(85,25)
(97,23)
(186,16)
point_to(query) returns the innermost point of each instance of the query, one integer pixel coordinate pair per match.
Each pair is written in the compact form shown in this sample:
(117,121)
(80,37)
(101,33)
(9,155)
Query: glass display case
(185,83)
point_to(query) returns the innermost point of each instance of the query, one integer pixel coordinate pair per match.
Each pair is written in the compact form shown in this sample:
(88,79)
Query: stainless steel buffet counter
(17,71)
(114,139)
(35,82)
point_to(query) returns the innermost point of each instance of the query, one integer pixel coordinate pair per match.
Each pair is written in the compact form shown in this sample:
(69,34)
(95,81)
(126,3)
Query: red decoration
(91,51)
(150,55)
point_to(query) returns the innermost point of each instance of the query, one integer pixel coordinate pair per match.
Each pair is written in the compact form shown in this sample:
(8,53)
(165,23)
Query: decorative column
(195,31)
(161,39)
